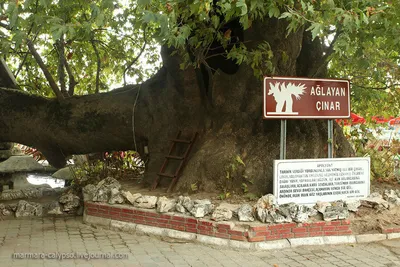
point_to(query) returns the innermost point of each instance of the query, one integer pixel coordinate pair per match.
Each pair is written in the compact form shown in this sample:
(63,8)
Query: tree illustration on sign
(283,94)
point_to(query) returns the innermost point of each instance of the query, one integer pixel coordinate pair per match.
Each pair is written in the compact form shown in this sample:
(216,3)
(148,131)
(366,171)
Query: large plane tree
(67,55)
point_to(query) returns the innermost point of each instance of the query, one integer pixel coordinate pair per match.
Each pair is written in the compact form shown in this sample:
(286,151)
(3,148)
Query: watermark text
(70,256)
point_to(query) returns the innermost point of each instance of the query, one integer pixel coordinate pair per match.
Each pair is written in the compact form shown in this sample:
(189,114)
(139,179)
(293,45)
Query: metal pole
(330,139)
(283,139)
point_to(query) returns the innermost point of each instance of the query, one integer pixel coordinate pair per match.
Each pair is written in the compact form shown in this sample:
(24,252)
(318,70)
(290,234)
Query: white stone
(352,205)
(321,206)
(115,197)
(69,200)
(265,210)
(180,208)
(88,192)
(187,203)
(334,240)
(201,208)
(275,244)
(103,189)
(221,214)
(245,213)
(26,209)
(131,198)
(335,213)
(165,205)
(306,241)
(146,202)
(267,202)
(370,238)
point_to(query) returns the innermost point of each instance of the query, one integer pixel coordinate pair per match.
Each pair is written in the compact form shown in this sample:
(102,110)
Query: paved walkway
(36,238)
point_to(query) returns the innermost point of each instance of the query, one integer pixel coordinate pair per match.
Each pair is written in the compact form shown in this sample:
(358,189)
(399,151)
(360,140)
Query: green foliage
(194,187)
(117,164)
(234,178)
(363,36)
(113,27)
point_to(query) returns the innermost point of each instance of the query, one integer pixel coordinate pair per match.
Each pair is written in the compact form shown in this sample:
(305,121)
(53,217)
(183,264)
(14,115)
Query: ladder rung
(174,157)
(181,141)
(166,175)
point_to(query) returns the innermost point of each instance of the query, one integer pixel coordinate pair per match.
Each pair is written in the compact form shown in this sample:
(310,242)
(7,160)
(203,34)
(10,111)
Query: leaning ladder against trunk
(170,156)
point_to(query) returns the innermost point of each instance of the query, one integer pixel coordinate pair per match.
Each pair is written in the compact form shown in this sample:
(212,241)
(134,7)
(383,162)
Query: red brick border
(262,232)
(391,230)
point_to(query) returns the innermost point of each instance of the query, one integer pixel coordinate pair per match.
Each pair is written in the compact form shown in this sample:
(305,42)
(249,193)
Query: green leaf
(45,3)
(239,160)
(100,20)
(108,4)
(285,15)
(144,2)
(18,38)
(274,12)
(57,30)
(331,3)
(215,21)
(149,17)
(315,29)
(243,7)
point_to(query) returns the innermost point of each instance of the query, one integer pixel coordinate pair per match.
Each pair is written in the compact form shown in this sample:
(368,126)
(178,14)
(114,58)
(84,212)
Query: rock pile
(265,210)
(27,209)
(26,193)
(268,211)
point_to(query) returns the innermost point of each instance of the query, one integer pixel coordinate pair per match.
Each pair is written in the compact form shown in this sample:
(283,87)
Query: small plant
(245,188)
(225,195)
(194,187)
(118,164)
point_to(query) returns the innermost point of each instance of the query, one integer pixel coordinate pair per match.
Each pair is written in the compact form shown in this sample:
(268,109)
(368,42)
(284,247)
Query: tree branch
(376,88)
(45,71)
(61,70)
(98,66)
(137,57)
(72,82)
(324,59)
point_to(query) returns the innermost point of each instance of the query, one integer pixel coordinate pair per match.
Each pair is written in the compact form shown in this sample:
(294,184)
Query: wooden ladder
(170,156)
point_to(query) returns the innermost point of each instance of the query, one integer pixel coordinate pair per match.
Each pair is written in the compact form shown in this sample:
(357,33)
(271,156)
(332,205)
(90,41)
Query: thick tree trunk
(230,128)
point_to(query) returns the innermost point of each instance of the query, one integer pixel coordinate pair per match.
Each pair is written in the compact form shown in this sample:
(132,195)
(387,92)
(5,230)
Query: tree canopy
(88,46)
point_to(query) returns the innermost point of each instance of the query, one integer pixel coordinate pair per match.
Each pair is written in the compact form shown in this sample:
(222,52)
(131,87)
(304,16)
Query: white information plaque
(306,181)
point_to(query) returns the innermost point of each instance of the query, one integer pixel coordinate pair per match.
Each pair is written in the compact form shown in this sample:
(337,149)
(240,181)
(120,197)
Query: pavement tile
(66,235)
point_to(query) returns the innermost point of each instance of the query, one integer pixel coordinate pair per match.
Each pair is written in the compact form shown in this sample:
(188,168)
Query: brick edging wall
(391,230)
(227,230)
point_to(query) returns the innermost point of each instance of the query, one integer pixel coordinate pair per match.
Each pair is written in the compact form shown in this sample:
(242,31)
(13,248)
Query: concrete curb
(131,228)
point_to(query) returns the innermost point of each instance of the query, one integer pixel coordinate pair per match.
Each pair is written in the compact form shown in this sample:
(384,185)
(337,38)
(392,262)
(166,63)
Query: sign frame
(266,116)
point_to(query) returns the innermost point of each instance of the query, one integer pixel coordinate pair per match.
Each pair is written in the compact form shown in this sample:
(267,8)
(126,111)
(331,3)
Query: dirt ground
(366,220)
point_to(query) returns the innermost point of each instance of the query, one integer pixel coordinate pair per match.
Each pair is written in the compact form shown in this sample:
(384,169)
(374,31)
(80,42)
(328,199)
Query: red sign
(300,98)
